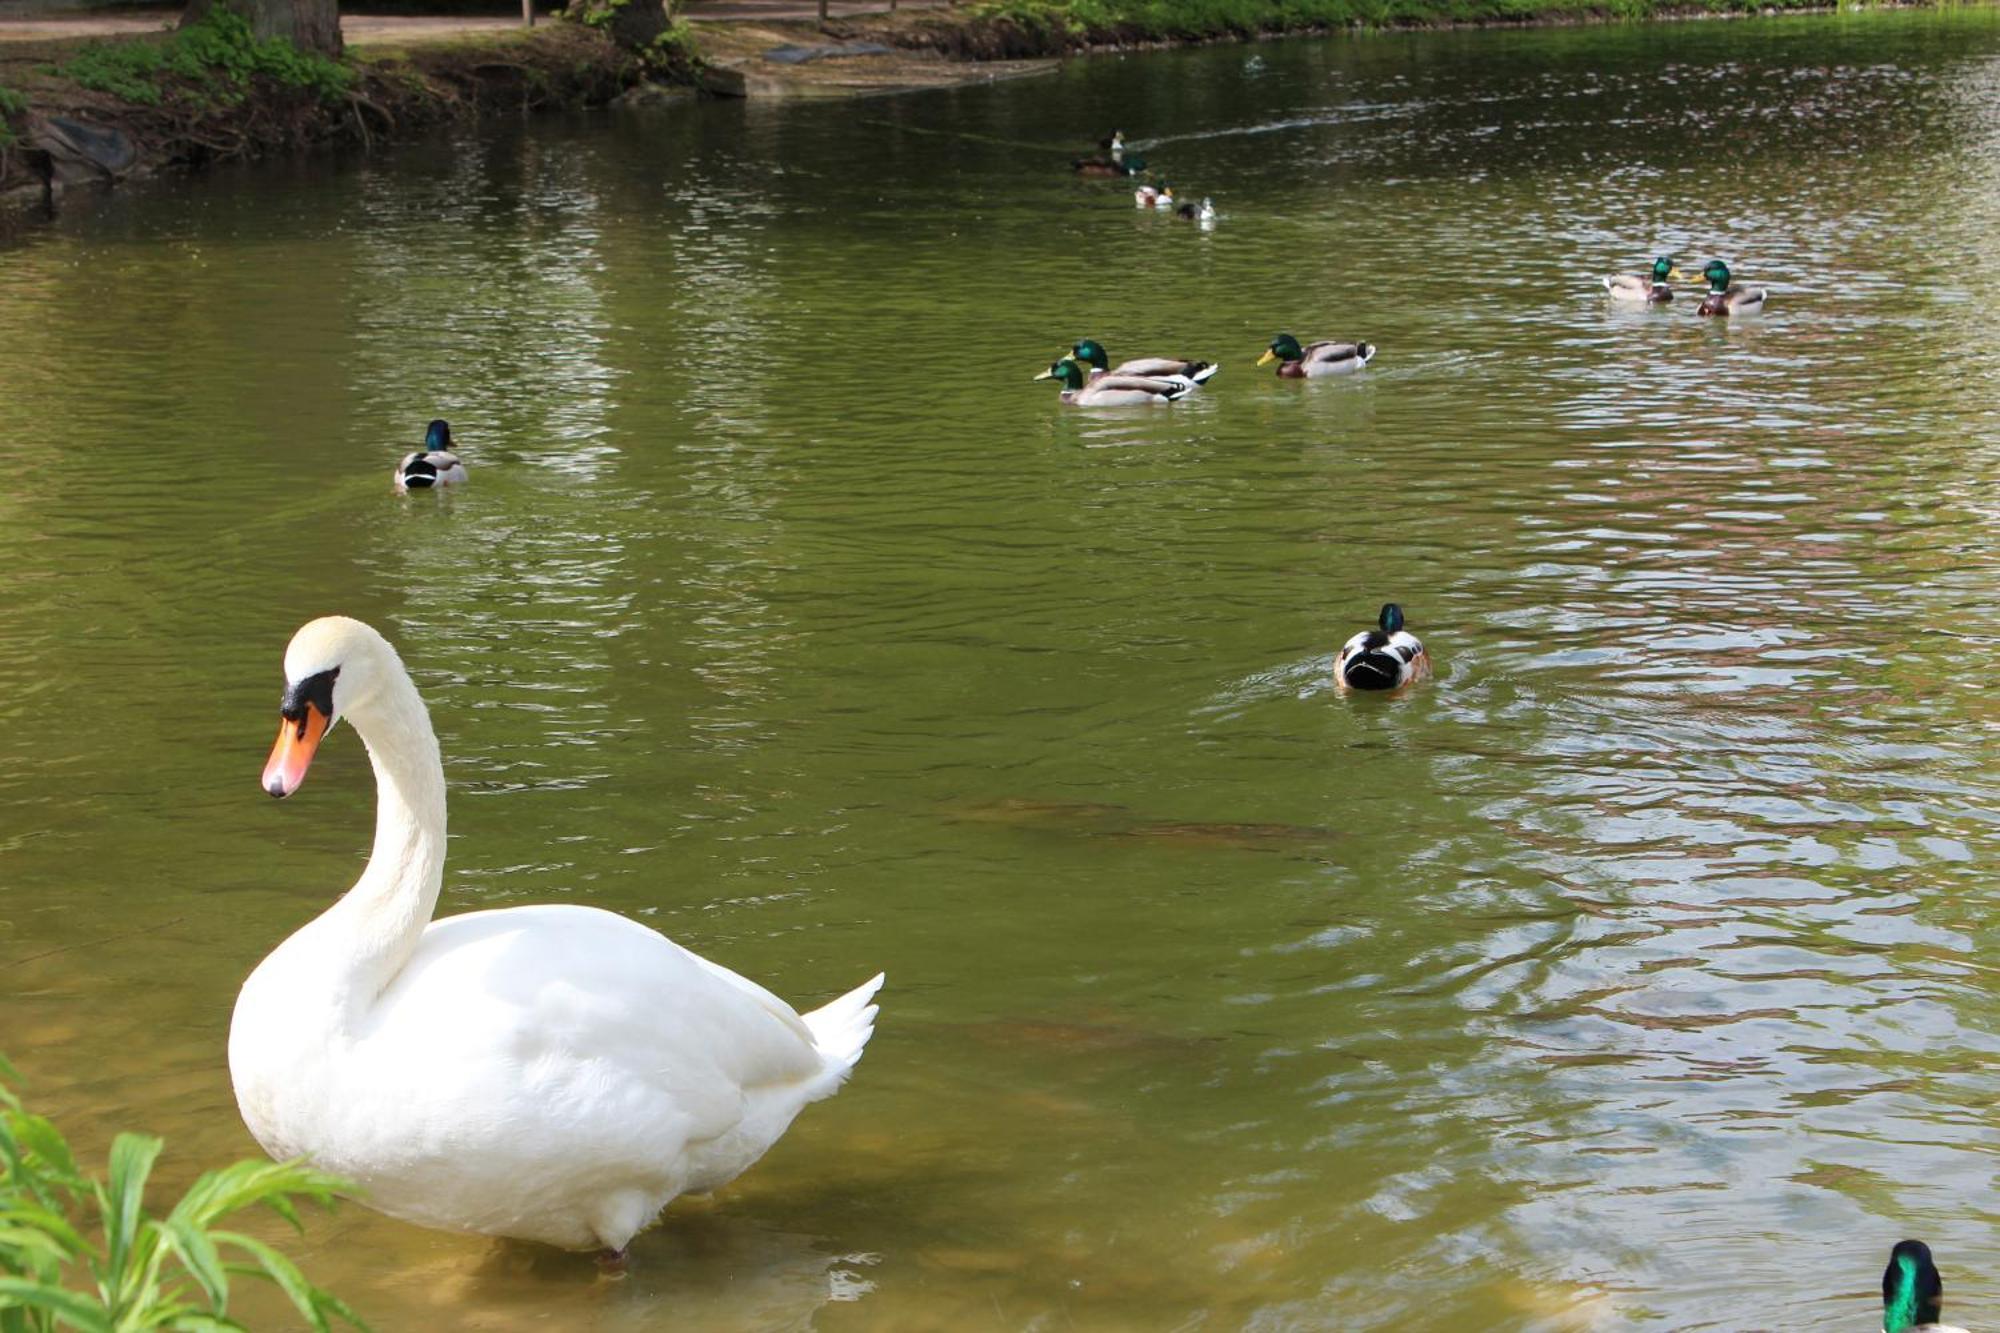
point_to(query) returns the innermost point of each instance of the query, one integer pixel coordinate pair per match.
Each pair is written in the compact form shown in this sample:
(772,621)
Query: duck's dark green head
(1066,370)
(1392,618)
(1912,1291)
(1717,275)
(438,436)
(1284,347)
(1091,353)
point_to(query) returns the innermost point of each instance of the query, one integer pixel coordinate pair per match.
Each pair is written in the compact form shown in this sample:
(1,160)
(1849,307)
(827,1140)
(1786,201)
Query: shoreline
(57,134)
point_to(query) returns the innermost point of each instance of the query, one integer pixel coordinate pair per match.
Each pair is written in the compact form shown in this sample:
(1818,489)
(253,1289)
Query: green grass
(215,61)
(1085,20)
(11,104)
(84,1253)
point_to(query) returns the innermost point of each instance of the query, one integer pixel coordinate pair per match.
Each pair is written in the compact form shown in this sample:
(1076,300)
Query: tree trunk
(310,25)
(633,24)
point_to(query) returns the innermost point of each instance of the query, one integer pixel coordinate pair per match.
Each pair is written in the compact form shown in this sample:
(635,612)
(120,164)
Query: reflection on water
(1630,973)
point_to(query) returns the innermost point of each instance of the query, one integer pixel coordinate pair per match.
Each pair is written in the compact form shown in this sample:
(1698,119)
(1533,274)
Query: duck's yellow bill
(298,741)
(1268,357)
(1045,375)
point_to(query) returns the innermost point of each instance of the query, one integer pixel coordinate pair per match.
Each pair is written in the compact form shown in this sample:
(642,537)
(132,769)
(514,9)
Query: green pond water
(1630,974)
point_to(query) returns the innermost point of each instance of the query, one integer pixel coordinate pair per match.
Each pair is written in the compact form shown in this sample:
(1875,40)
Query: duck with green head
(1114,390)
(1723,299)
(1097,363)
(433,465)
(1632,287)
(1912,1291)
(1387,657)
(1115,162)
(1315,360)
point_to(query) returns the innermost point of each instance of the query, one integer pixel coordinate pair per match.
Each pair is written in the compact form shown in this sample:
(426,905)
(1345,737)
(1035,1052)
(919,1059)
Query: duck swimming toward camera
(1315,360)
(1723,299)
(554,1073)
(1115,390)
(1912,1291)
(1387,657)
(1653,290)
(433,465)
(1204,213)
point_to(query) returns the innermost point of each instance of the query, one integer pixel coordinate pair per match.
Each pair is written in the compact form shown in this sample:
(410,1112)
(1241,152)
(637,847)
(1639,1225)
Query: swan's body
(1653,290)
(433,465)
(553,1073)
(1912,1291)
(1315,360)
(1387,657)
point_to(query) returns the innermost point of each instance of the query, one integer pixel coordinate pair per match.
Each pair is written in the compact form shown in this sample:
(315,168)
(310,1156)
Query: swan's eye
(316,690)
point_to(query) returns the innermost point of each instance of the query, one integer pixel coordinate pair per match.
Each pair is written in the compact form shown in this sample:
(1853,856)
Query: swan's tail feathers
(842,1027)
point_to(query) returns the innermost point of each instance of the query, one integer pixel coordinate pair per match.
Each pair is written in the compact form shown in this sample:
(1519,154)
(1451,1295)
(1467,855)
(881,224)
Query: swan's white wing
(583,1003)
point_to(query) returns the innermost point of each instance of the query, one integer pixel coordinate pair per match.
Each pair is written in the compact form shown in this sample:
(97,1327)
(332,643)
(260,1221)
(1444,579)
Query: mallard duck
(1632,287)
(433,465)
(1092,354)
(1912,1291)
(1315,360)
(1385,658)
(1109,166)
(1115,390)
(554,1073)
(1146,196)
(1722,299)
(1205,213)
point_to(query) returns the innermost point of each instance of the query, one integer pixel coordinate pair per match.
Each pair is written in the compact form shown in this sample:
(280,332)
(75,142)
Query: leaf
(199,1256)
(309,1300)
(72,1308)
(199,1321)
(132,1157)
(41,1138)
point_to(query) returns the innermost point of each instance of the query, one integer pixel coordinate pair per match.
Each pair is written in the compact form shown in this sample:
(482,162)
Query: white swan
(553,1073)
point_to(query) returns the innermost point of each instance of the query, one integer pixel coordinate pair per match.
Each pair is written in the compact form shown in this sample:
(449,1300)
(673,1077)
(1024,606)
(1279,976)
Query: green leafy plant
(214,60)
(146,1272)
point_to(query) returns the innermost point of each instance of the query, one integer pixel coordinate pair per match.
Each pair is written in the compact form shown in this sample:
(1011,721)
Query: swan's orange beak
(298,741)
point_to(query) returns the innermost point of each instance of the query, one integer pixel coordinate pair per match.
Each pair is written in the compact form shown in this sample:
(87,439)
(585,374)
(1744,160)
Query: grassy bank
(1007,29)
(212,92)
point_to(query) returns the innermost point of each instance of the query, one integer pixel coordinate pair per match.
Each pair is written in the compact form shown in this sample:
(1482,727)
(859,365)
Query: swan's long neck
(372,931)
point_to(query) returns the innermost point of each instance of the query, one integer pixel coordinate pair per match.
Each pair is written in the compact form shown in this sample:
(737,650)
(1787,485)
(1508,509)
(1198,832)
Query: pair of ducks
(431,466)
(1721,299)
(1165,379)
(1161,197)
(1112,161)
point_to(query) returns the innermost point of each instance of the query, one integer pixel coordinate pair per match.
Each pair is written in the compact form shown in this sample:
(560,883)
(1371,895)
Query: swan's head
(333,667)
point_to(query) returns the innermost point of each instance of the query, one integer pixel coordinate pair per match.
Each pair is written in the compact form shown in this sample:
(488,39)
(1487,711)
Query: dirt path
(360,29)
(364,29)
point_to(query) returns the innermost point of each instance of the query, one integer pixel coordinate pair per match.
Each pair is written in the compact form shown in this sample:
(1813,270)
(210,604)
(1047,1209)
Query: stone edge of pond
(395,88)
